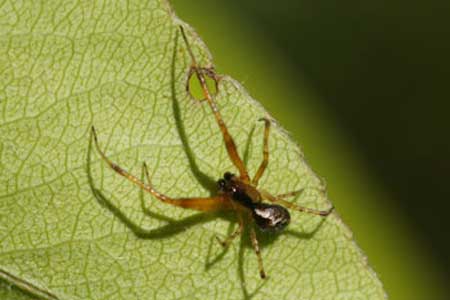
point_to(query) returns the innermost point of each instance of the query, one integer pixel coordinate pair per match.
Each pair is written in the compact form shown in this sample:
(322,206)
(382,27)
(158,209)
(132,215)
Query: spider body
(268,217)
(238,193)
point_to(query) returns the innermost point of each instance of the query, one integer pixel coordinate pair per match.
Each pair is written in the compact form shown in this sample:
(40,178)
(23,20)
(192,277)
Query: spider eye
(228,176)
(271,217)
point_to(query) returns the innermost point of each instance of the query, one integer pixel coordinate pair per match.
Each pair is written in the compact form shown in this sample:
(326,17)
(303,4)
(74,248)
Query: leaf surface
(71,228)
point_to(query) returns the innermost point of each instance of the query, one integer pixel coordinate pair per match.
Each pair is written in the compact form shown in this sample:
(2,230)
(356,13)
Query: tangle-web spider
(238,193)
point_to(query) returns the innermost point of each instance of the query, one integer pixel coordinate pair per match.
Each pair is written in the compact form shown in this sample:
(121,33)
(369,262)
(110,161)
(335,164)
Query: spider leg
(255,245)
(225,243)
(290,194)
(198,203)
(230,145)
(294,206)
(263,165)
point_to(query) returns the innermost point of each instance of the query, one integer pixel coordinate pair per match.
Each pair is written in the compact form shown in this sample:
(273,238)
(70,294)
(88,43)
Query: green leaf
(71,228)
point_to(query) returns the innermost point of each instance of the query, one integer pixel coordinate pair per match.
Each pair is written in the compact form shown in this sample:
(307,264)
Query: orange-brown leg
(265,161)
(225,243)
(198,203)
(228,139)
(255,245)
(293,206)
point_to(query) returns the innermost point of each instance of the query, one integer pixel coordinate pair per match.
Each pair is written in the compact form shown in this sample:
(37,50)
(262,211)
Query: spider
(238,193)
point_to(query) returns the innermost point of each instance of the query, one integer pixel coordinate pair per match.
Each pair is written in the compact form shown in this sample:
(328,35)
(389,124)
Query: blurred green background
(363,87)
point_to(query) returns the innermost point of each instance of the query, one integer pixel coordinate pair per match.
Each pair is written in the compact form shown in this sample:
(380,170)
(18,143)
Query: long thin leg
(293,206)
(255,245)
(198,203)
(289,194)
(228,139)
(225,243)
(265,161)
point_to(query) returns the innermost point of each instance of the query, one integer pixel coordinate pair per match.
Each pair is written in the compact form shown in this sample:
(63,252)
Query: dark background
(383,68)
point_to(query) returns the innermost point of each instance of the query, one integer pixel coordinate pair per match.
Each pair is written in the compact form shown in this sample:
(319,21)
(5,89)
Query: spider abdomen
(270,217)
